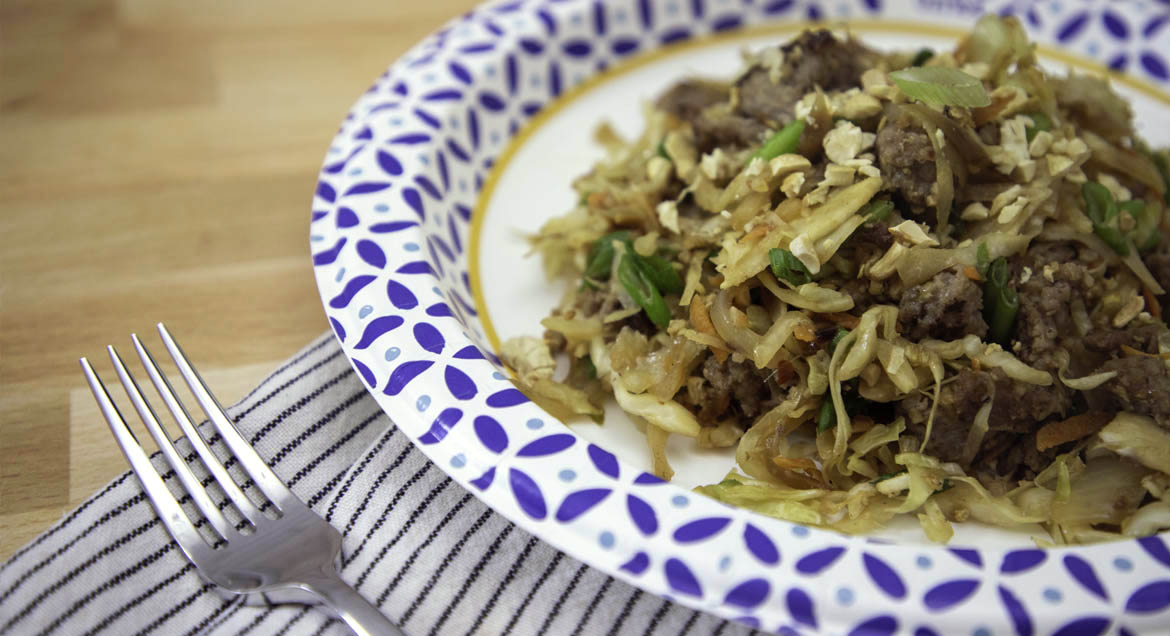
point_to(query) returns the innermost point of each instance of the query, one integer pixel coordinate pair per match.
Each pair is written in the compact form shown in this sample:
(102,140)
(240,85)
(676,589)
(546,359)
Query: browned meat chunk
(738,386)
(959,400)
(1142,385)
(946,307)
(906,157)
(1057,280)
(687,99)
(813,59)
(1158,262)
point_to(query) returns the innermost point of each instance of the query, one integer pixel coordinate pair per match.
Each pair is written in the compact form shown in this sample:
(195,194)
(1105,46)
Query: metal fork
(297,549)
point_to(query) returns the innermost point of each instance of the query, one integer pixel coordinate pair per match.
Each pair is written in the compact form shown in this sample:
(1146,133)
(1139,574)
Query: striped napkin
(433,557)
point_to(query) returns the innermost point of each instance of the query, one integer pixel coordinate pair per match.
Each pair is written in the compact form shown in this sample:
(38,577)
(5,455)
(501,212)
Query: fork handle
(361,615)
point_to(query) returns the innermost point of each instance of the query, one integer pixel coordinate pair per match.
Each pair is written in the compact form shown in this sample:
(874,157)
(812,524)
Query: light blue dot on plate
(680,501)
(1123,564)
(534,423)
(424,160)
(1093,48)
(392,353)
(366,310)
(724,563)
(395,121)
(923,562)
(428,78)
(462,185)
(499,376)
(340,275)
(1052,595)
(437,291)
(981,631)
(422,403)
(410,247)
(381,207)
(606,539)
(845,596)
(800,531)
(454,122)
(619,16)
(494,137)
(459,461)
(535,81)
(567,474)
(316,238)
(490,71)
(355,172)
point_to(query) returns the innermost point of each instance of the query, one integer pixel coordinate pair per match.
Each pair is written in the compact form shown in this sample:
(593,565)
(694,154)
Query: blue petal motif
(760,545)
(527,494)
(970,556)
(429,338)
(1157,549)
(681,579)
(441,426)
(1073,26)
(371,253)
(330,255)
(603,460)
(485,480)
(389,164)
(817,561)
(404,374)
(412,198)
(1088,626)
(700,529)
(507,397)
(800,605)
(491,434)
(884,576)
(365,372)
(637,564)
(578,503)
(366,187)
(642,514)
(1155,65)
(876,626)
(1017,612)
(415,267)
(1084,574)
(459,384)
(748,594)
(1115,25)
(376,328)
(647,479)
(393,226)
(346,218)
(400,295)
(949,594)
(1018,561)
(548,445)
(338,329)
(1152,597)
(354,285)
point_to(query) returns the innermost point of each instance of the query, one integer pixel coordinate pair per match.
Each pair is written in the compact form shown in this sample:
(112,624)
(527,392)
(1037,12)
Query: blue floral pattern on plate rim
(390,236)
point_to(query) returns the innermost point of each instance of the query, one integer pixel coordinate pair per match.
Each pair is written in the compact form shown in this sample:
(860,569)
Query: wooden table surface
(157,162)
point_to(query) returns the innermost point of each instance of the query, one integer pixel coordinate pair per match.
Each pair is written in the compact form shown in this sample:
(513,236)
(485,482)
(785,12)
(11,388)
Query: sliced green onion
(600,257)
(982,259)
(660,272)
(787,267)
(941,86)
(1102,210)
(1145,234)
(661,151)
(782,142)
(886,476)
(1000,303)
(590,368)
(827,417)
(639,287)
(878,211)
(922,57)
(1162,163)
(1040,123)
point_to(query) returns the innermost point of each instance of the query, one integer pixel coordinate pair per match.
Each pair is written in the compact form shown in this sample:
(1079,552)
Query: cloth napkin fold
(433,557)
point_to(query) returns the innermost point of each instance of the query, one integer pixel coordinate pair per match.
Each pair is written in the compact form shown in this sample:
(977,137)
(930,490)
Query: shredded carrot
(785,372)
(1134,352)
(799,472)
(1152,302)
(796,463)
(972,273)
(848,321)
(1071,429)
(975,365)
(757,231)
(804,334)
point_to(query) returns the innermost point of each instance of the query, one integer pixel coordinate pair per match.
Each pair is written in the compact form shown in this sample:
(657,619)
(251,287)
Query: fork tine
(179,412)
(257,469)
(190,482)
(168,509)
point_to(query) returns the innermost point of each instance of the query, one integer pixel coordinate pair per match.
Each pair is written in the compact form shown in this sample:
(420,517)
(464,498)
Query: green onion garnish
(1000,303)
(782,142)
(639,287)
(941,86)
(789,268)
(878,211)
(922,57)
(1040,122)
(1103,212)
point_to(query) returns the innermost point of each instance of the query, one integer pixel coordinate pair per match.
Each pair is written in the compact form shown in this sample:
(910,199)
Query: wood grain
(157,164)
